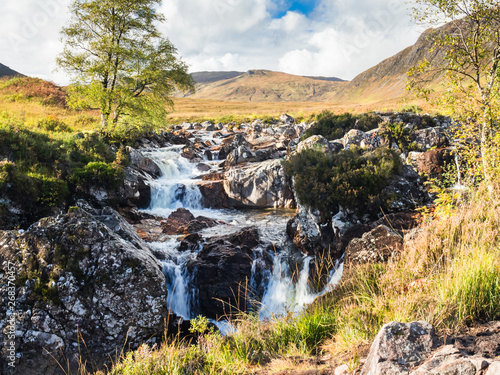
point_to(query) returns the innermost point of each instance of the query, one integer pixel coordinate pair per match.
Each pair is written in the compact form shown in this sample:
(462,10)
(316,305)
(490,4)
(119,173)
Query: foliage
(98,174)
(53,124)
(350,178)
(119,61)
(471,47)
(398,133)
(28,88)
(332,126)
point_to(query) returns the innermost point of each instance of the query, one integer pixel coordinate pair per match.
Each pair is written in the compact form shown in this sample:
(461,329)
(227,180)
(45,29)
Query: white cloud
(340,38)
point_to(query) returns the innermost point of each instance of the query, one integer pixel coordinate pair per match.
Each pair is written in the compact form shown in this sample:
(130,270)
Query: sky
(334,38)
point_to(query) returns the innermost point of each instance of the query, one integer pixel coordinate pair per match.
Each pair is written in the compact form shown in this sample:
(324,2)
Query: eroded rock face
(375,246)
(222,272)
(258,185)
(78,279)
(399,347)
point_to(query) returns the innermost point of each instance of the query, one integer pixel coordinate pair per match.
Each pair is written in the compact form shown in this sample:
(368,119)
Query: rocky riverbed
(205,222)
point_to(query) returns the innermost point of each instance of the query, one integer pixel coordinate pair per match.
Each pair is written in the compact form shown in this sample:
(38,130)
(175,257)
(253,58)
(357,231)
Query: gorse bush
(332,126)
(351,178)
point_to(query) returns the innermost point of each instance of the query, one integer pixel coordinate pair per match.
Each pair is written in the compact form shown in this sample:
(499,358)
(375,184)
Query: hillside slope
(387,80)
(261,86)
(5,71)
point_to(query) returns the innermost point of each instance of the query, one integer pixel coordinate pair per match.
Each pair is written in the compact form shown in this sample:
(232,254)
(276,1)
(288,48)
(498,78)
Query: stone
(142,163)
(342,370)
(177,221)
(400,347)
(376,246)
(316,142)
(227,262)
(93,285)
(431,163)
(182,221)
(494,368)
(213,193)
(354,137)
(258,185)
(287,119)
(425,139)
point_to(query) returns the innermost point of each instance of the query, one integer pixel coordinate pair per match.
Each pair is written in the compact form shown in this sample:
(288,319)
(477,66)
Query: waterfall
(176,187)
(283,290)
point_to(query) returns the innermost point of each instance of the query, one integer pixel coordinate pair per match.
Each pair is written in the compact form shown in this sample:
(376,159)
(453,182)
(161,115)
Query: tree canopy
(471,45)
(119,62)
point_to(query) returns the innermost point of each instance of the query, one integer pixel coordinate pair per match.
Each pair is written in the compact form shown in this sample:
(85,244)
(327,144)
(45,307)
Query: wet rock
(142,163)
(310,235)
(177,221)
(227,262)
(376,246)
(203,167)
(190,242)
(213,193)
(426,139)
(258,185)
(399,347)
(182,221)
(92,285)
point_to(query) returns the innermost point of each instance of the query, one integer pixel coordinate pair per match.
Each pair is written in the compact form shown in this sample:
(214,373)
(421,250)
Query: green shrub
(332,126)
(98,173)
(398,133)
(53,124)
(350,178)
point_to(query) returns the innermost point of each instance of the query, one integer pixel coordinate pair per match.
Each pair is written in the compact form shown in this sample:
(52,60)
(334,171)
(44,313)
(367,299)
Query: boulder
(142,163)
(310,235)
(431,163)
(375,246)
(426,139)
(400,347)
(405,191)
(182,221)
(355,137)
(80,285)
(225,261)
(316,142)
(259,185)
(213,193)
(287,119)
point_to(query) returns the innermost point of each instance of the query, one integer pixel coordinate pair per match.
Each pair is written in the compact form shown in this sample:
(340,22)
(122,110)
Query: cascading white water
(177,188)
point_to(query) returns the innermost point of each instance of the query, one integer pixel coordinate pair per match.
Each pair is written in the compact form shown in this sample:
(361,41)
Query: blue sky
(336,38)
(305,7)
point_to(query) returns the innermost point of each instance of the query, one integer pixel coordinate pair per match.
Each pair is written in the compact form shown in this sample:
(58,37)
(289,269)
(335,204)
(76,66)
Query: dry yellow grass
(187,109)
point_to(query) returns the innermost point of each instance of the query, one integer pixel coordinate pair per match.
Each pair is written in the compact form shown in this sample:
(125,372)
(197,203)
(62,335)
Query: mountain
(262,86)
(387,80)
(6,71)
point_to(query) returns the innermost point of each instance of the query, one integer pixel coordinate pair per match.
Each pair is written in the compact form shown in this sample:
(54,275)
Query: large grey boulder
(400,347)
(258,185)
(79,284)
(375,246)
